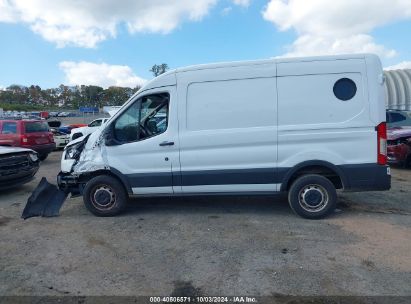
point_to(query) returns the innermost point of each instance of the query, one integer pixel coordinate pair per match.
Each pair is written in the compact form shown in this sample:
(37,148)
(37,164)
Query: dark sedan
(17,166)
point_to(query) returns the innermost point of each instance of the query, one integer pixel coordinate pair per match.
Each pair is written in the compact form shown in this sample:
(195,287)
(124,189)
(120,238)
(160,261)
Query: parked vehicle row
(63,114)
(25,115)
(74,131)
(24,143)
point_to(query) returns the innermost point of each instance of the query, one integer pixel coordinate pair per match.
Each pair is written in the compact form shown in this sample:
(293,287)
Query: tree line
(18,97)
(21,98)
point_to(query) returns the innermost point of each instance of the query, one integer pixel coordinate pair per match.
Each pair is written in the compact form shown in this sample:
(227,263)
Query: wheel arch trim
(113,172)
(287,174)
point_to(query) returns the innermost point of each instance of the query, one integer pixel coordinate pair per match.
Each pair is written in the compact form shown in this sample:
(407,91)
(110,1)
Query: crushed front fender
(93,157)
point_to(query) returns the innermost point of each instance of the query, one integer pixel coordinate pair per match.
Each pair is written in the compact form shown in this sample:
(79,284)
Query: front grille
(11,163)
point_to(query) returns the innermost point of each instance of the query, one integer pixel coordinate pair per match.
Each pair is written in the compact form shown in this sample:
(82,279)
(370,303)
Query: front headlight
(70,153)
(34,157)
(74,151)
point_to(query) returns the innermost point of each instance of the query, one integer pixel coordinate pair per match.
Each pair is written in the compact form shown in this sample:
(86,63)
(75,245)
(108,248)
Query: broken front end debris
(46,200)
(79,159)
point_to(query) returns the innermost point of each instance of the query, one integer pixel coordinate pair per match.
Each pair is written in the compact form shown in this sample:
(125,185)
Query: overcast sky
(115,42)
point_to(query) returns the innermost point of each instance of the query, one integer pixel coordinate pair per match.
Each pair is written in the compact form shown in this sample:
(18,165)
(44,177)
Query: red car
(30,134)
(399,146)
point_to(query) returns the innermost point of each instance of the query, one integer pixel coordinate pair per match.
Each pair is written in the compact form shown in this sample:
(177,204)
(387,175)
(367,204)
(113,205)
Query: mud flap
(46,200)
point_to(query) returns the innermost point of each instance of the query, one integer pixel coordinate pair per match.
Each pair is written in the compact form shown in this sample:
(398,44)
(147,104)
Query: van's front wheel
(312,196)
(104,196)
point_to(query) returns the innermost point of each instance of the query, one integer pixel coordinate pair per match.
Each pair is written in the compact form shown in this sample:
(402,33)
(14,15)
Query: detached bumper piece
(46,200)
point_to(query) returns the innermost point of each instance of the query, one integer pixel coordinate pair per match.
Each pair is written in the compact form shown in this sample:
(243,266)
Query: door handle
(167,143)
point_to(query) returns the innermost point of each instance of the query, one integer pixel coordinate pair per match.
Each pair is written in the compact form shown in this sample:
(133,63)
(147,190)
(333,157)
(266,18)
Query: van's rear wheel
(104,196)
(312,196)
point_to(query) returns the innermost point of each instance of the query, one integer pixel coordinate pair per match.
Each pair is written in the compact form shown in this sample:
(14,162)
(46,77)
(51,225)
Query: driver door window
(147,117)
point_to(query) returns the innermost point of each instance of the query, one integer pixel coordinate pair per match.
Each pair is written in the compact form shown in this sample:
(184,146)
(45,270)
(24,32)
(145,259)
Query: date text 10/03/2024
(202,299)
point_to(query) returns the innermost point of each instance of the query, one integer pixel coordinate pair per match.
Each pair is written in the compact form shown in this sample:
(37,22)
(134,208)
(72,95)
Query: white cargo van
(306,126)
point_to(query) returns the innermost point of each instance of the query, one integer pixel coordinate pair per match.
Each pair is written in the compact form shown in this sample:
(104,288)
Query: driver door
(147,149)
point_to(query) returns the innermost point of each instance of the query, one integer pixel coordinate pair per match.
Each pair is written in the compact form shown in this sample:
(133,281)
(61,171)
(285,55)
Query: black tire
(105,196)
(312,196)
(77,135)
(43,157)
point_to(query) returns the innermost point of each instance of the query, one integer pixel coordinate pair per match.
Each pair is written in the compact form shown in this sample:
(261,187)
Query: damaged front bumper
(47,199)
(80,160)
(70,184)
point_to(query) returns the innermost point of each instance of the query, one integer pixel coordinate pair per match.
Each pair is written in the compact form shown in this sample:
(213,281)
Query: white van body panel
(223,129)
(376,88)
(314,123)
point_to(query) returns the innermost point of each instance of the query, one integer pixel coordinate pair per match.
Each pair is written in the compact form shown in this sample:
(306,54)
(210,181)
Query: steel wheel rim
(313,198)
(103,197)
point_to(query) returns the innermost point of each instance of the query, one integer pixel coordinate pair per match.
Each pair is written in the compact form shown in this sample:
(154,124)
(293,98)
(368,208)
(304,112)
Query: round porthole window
(345,89)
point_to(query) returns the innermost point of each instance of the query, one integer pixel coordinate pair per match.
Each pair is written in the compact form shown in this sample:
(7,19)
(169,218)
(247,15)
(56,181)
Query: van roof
(265,61)
(169,78)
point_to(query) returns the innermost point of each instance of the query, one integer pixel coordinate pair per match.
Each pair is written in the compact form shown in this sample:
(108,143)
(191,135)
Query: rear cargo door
(324,113)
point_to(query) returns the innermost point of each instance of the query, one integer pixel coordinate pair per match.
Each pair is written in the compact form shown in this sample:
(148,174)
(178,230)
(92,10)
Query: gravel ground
(210,246)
